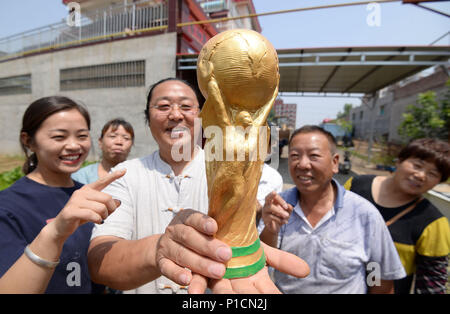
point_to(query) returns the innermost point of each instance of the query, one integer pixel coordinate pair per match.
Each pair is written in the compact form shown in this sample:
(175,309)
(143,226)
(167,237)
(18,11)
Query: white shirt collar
(190,169)
(307,227)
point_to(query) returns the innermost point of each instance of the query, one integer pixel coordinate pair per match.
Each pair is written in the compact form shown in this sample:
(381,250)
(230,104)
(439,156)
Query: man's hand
(188,254)
(260,282)
(188,242)
(275,212)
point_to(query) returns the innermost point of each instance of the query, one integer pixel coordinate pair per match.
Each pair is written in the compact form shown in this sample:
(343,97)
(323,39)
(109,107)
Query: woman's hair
(37,113)
(431,150)
(115,123)
(152,88)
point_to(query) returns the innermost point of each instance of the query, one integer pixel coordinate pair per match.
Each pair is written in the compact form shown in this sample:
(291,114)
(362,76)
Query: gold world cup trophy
(237,72)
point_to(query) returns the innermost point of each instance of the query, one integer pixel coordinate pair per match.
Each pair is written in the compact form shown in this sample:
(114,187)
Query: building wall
(232,8)
(379,110)
(103,104)
(286,111)
(394,100)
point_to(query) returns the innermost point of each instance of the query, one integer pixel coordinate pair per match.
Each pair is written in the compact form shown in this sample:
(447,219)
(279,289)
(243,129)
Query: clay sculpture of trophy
(237,72)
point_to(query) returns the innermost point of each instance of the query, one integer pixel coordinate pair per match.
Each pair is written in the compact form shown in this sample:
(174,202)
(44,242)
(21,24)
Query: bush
(430,117)
(9,177)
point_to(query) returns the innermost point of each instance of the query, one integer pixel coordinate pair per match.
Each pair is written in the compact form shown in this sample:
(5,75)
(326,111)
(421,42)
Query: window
(361,113)
(353,116)
(123,74)
(381,110)
(15,85)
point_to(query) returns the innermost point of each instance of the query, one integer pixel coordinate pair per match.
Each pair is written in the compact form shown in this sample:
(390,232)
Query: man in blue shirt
(341,236)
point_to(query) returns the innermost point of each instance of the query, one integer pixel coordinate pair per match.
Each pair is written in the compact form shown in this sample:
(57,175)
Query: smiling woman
(420,231)
(45,217)
(49,120)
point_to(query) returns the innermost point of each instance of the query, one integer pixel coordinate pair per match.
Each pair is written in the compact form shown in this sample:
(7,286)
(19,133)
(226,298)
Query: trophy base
(246,253)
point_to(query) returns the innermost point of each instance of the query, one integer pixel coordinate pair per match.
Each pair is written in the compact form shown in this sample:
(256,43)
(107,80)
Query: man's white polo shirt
(151,196)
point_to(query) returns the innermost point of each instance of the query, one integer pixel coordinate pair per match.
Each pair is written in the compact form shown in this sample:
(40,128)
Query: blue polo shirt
(86,174)
(349,248)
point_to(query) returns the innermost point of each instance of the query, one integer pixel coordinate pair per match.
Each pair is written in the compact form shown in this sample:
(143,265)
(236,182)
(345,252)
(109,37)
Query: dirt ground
(10,162)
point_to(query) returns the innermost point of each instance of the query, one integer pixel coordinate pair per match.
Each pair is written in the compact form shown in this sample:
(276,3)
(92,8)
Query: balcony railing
(110,23)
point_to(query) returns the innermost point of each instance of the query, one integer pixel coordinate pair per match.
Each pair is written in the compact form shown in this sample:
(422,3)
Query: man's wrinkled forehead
(173,90)
(315,140)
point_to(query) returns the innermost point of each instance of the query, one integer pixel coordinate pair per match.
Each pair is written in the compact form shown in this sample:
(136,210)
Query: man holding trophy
(168,245)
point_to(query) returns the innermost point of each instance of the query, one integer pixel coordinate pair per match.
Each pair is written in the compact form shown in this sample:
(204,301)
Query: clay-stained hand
(188,246)
(260,283)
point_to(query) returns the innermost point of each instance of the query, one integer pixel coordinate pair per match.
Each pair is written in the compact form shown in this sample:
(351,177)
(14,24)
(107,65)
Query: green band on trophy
(245,250)
(245,271)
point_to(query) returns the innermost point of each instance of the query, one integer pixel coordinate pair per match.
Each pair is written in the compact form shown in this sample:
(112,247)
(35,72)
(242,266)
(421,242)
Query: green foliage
(384,159)
(445,113)
(346,125)
(346,113)
(343,118)
(9,177)
(428,118)
(87,163)
(359,155)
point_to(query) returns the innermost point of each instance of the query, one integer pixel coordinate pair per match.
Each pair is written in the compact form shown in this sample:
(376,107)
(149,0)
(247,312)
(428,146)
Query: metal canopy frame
(346,70)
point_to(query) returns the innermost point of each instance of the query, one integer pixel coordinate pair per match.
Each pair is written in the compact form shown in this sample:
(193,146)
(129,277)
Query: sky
(398,24)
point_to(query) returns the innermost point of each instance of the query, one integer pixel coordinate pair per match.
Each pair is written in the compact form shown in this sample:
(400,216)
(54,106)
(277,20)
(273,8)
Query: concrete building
(107,62)
(286,113)
(383,113)
(229,8)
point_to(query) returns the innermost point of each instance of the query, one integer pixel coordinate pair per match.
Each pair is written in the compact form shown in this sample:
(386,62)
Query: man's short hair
(316,129)
(429,149)
(152,88)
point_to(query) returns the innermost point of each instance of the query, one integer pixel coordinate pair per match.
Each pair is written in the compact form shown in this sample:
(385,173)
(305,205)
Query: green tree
(445,112)
(343,118)
(346,114)
(346,125)
(428,118)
